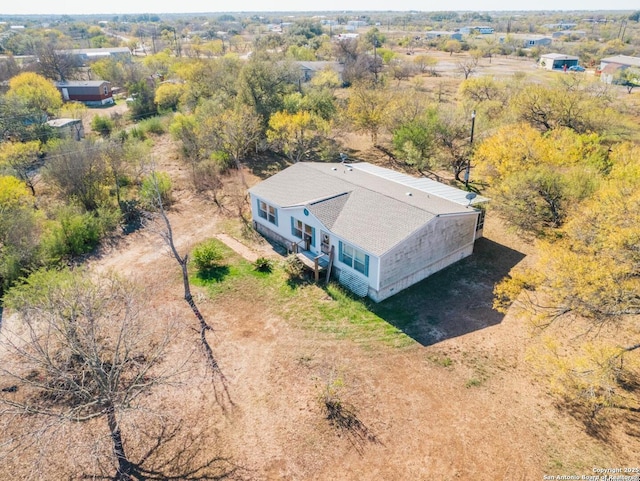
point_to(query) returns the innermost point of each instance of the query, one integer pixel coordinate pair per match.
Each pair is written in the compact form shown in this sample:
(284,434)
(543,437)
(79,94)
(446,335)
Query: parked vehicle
(576,68)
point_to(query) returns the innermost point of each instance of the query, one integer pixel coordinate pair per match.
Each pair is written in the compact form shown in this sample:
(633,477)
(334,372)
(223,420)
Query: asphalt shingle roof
(361,206)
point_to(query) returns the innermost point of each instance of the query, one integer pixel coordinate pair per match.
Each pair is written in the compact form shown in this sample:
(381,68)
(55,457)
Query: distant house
(557,61)
(610,66)
(438,34)
(484,30)
(346,36)
(624,60)
(89,92)
(308,70)
(536,42)
(68,128)
(570,34)
(84,56)
(562,25)
(357,23)
(380,230)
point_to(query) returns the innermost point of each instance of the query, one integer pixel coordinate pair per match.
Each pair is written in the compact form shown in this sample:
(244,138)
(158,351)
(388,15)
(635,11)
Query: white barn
(387,230)
(557,61)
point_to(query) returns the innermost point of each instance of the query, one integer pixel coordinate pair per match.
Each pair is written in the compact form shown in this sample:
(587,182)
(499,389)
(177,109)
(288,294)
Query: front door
(325,242)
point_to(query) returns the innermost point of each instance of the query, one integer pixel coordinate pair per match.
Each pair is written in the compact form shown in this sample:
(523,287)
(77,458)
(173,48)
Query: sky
(76,7)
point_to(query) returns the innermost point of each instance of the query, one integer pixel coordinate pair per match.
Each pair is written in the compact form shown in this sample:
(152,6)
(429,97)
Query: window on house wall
(354,258)
(268,212)
(303,231)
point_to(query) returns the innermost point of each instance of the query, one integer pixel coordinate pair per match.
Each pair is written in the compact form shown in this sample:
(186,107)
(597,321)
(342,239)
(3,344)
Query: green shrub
(206,255)
(131,213)
(103,125)
(73,234)
(122,136)
(293,267)
(156,186)
(222,160)
(152,125)
(109,217)
(137,133)
(262,264)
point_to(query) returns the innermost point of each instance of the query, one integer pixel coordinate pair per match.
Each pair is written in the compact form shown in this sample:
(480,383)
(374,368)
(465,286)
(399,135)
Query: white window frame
(267,212)
(355,258)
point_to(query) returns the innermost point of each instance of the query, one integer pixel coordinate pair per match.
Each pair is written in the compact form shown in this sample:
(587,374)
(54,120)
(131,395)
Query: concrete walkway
(239,247)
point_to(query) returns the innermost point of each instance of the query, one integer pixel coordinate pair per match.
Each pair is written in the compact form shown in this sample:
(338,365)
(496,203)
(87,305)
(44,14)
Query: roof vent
(334,168)
(409,194)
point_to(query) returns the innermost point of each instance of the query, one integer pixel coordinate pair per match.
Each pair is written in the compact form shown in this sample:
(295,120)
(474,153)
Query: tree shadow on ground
(452,302)
(266,164)
(176,451)
(345,419)
(216,274)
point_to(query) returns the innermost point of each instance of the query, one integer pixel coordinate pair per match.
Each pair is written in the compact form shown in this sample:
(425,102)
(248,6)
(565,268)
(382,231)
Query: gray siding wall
(441,242)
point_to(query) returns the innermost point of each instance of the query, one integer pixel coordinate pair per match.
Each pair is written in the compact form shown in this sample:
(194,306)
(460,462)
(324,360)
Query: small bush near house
(294,267)
(262,264)
(207,255)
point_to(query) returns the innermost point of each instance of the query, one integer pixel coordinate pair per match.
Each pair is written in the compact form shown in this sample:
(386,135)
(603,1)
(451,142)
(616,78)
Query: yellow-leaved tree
(36,92)
(297,135)
(19,231)
(590,274)
(369,110)
(19,159)
(535,178)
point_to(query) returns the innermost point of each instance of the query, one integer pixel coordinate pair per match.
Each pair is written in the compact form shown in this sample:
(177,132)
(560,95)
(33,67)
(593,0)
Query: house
(557,61)
(624,60)
(346,36)
(355,24)
(308,70)
(438,34)
(84,56)
(570,34)
(484,30)
(610,66)
(381,230)
(561,25)
(531,42)
(89,92)
(68,128)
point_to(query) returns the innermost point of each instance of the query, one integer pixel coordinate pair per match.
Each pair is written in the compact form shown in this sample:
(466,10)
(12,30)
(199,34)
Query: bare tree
(467,66)
(79,170)
(79,350)
(452,136)
(56,64)
(166,233)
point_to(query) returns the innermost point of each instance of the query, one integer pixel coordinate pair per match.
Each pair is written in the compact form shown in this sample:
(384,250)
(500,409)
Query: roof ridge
(326,199)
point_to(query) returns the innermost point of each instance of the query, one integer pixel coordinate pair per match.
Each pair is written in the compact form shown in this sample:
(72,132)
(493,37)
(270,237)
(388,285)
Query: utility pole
(466,174)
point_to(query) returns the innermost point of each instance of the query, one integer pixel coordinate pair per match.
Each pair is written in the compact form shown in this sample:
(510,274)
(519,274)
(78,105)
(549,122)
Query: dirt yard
(458,402)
